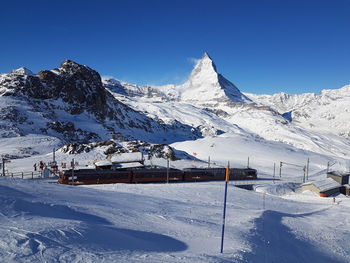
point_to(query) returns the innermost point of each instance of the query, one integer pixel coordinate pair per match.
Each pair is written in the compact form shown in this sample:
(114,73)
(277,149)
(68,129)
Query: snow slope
(43,222)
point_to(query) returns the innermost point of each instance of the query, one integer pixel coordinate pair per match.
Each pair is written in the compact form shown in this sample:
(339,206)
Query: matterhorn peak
(22,71)
(205,68)
(206,84)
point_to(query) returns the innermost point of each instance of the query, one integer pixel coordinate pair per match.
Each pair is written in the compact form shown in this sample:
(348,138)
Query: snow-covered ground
(179,222)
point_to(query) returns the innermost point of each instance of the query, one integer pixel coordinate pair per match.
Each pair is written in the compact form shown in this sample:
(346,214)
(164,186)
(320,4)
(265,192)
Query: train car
(147,175)
(156,175)
(242,174)
(93,176)
(204,174)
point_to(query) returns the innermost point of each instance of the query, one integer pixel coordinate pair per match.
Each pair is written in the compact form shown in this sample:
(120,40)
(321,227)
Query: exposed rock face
(70,102)
(112,147)
(77,85)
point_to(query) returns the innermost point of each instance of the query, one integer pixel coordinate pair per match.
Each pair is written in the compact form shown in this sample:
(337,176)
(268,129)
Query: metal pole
(304,169)
(307,169)
(167,171)
(73,171)
(224,214)
(3,166)
(208,161)
(248,163)
(327,167)
(274,172)
(54,157)
(280,169)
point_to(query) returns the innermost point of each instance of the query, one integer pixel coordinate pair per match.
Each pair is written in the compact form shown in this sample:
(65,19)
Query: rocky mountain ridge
(71,103)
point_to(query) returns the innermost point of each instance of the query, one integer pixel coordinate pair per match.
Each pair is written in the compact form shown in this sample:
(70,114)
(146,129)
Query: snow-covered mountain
(204,86)
(328,111)
(209,101)
(71,103)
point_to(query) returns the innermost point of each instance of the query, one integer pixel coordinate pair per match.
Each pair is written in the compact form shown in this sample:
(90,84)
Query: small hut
(341,178)
(132,157)
(324,188)
(103,165)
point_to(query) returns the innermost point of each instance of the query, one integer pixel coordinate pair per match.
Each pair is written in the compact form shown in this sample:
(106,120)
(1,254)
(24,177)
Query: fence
(26,175)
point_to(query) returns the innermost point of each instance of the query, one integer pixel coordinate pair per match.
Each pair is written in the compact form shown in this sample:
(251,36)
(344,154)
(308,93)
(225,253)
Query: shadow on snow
(90,232)
(272,241)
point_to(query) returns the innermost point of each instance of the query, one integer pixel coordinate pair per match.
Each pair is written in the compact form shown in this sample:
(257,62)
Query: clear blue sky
(261,46)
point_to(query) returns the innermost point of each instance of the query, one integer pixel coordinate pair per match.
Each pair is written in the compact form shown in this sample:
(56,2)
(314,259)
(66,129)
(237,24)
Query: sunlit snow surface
(179,222)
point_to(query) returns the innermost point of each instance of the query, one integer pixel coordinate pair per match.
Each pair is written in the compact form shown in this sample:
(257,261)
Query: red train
(147,175)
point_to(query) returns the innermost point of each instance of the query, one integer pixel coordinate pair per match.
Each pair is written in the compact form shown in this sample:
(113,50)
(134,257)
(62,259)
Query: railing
(25,175)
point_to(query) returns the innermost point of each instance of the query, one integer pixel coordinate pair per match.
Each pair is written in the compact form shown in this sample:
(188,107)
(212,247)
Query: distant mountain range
(72,104)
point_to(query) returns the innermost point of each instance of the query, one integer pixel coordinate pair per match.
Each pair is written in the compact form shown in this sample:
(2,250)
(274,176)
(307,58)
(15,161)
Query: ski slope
(43,222)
